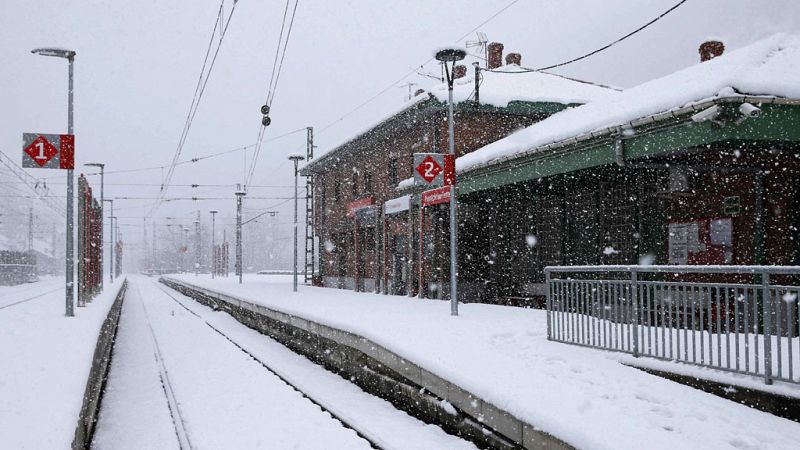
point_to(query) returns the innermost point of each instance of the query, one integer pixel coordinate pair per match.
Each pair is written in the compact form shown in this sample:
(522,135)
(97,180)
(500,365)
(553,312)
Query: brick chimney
(711,49)
(514,58)
(495,55)
(459,71)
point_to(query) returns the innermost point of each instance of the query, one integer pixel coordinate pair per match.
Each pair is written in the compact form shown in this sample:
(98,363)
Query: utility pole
(155,260)
(224,257)
(30,229)
(197,244)
(308,272)
(118,265)
(239,194)
(296,159)
(144,242)
(213,244)
(184,247)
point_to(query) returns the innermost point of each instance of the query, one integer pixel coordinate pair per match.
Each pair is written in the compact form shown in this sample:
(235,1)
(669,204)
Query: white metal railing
(737,318)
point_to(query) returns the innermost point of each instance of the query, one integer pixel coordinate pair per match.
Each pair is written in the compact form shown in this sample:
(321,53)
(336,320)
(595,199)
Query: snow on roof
(766,68)
(498,88)
(408,104)
(510,83)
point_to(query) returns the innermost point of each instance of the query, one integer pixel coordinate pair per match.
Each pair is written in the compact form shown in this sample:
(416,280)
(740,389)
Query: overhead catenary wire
(598,50)
(273,83)
(199,90)
(187,161)
(411,72)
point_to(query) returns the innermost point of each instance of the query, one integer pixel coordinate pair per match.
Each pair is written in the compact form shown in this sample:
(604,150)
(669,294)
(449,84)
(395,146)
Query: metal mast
(310,261)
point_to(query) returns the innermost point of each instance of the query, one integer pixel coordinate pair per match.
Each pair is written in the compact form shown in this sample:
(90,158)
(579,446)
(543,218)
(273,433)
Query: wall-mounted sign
(732,205)
(436,196)
(720,232)
(367,215)
(397,205)
(355,205)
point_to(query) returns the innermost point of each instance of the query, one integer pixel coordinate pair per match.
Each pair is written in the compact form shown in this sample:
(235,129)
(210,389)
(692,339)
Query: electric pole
(239,194)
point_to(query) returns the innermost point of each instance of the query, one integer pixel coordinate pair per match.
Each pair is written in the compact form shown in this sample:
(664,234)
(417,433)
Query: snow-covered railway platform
(185,376)
(501,356)
(45,361)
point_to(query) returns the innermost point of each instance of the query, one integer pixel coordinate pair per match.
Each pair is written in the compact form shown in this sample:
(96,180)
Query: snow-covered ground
(225,399)
(583,396)
(46,358)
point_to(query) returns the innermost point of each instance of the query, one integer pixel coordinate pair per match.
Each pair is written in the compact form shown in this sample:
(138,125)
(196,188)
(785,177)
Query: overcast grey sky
(138,61)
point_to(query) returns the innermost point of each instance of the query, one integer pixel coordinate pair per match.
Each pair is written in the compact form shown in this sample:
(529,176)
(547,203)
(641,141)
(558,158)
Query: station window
(393,172)
(368,182)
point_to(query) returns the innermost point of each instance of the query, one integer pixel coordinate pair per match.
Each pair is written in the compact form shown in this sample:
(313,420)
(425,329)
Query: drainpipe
(477,83)
(758,238)
(619,151)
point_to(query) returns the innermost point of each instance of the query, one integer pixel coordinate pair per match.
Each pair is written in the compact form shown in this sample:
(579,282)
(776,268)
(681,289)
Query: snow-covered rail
(207,381)
(374,440)
(15,302)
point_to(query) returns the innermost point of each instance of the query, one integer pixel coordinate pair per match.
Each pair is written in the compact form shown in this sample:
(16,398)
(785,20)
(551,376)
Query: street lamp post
(213,244)
(69,55)
(296,158)
(102,200)
(111,239)
(451,55)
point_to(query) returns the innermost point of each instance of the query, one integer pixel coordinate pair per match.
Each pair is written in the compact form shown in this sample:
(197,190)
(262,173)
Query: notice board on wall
(704,241)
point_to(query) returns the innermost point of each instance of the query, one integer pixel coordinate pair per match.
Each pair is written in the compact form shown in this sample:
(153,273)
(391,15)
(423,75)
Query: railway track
(17,302)
(373,440)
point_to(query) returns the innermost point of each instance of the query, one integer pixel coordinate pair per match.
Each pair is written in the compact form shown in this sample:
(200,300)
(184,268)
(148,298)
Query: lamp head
(54,51)
(450,54)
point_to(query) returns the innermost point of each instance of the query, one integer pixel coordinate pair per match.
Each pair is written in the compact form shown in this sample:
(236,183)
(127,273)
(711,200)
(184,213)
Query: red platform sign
(429,169)
(436,196)
(361,203)
(48,151)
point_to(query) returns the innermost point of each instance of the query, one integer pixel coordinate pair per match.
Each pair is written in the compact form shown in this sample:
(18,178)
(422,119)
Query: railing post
(766,298)
(635,300)
(549,304)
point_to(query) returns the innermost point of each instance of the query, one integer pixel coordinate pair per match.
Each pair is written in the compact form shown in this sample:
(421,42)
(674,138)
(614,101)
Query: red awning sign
(355,205)
(436,196)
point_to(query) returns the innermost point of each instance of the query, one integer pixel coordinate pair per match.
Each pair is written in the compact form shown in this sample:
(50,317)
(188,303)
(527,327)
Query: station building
(697,167)
(369,233)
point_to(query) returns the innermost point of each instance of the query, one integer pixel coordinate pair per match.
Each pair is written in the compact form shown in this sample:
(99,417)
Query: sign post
(56,151)
(438,171)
